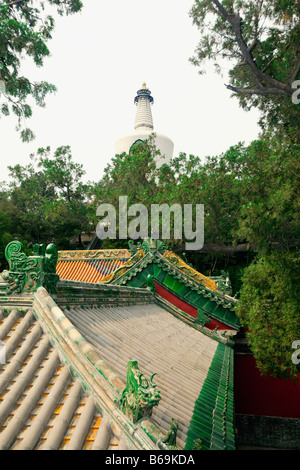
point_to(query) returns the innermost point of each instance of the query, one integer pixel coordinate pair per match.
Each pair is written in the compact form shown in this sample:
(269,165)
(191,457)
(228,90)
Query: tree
(25,28)
(269,310)
(61,172)
(130,174)
(6,224)
(49,198)
(133,175)
(30,195)
(250,193)
(261,41)
(269,215)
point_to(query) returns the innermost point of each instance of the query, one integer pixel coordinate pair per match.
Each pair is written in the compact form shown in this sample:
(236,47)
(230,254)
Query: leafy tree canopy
(250,196)
(269,309)
(261,42)
(47,200)
(25,28)
(250,193)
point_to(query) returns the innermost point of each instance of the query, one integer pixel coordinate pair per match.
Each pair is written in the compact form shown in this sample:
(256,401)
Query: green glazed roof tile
(212,420)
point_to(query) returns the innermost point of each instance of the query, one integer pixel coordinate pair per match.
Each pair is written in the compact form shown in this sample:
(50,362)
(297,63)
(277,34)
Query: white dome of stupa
(143,128)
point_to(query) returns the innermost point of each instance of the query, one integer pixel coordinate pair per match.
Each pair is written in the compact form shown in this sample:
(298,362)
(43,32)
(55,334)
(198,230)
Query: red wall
(254,394)
(263,396)
(185,307)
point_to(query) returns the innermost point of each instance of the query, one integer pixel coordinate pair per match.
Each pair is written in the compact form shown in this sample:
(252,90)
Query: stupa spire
(143,100)
(143,129)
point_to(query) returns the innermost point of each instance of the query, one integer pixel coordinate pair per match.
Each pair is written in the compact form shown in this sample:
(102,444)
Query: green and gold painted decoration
(189,271)
(172,273)
(140,395)
(71,255)
(27,273)
(131,263)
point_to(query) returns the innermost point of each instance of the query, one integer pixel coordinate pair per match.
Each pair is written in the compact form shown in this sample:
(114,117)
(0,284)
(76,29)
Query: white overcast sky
(99,59)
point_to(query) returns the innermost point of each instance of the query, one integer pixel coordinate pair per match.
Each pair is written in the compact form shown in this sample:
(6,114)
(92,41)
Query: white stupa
(144,128)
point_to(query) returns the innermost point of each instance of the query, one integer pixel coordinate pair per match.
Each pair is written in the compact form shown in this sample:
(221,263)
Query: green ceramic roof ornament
(202,318)
(170,438)
(27,273)
(139,396)
(197,444)
(134,248)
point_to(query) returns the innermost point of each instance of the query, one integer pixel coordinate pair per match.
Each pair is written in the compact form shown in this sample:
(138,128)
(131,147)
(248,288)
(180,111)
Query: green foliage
(61,173)
(260,41)
(269,309)
(250,195)
(25,28)
(130,174)
(47,199)
(133,175)
(269,214)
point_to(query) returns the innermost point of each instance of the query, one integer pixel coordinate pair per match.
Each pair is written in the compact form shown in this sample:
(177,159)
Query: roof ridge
(95,373)
(116,253)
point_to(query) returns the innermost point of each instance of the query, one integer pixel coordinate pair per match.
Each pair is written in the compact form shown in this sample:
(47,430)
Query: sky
(99,59)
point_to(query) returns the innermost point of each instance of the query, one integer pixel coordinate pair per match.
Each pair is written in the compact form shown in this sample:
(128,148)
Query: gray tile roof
(160,343)
(65,371)
(42,406)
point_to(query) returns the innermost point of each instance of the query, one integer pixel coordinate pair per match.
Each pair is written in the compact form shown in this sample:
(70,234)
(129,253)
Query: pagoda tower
(143,128)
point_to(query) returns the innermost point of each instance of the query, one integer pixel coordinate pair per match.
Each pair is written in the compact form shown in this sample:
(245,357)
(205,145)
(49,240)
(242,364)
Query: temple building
(92,363)
(144,127)
(115,349)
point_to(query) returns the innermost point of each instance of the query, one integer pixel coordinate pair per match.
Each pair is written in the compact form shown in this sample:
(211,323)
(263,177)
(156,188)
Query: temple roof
(89,265)
(169,271)
(159,342)
(42,405)
(80,363)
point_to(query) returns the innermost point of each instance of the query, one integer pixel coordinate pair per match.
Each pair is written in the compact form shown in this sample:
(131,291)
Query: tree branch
(235,21)
(12,4)
(295,72)
(255,91)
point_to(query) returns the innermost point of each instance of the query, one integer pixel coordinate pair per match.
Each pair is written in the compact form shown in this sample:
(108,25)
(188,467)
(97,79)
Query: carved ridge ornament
(188,271)
(93,254)
(27,273)
(202,318)
(170,438)
(124,268)
(140,395)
